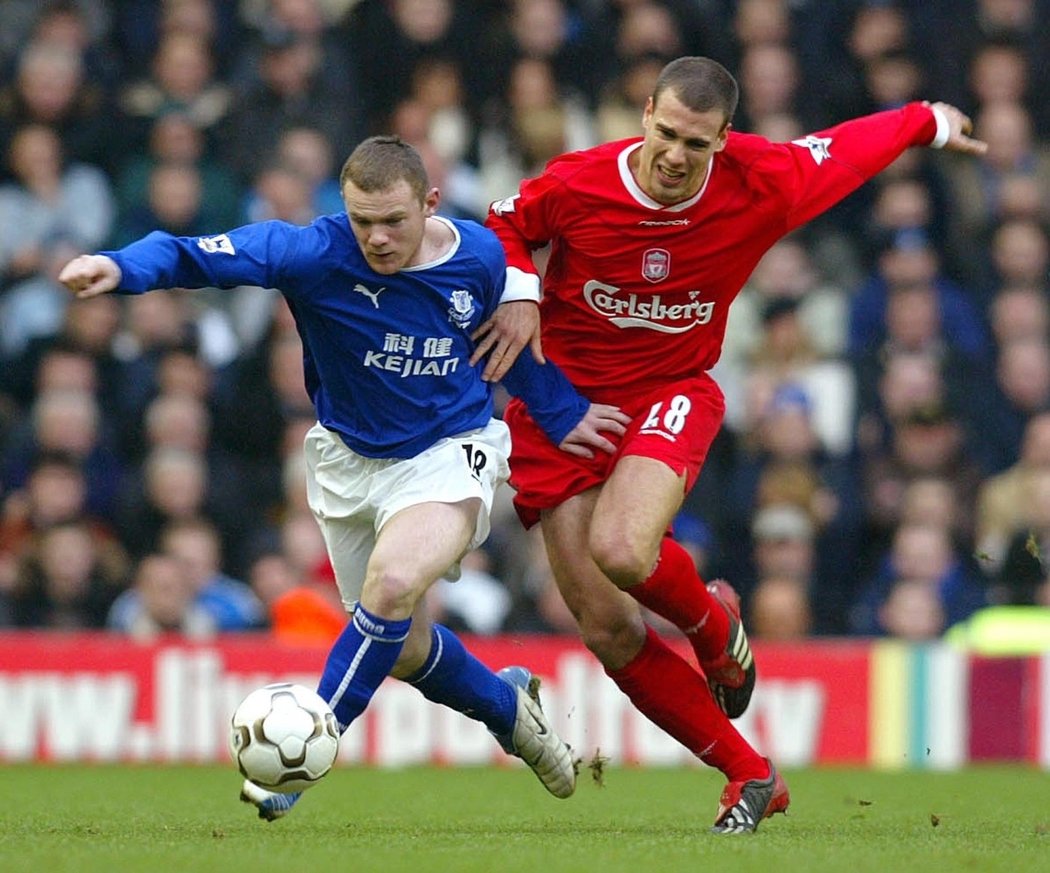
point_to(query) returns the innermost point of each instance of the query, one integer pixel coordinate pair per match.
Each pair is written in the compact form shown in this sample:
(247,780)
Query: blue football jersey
(385,357)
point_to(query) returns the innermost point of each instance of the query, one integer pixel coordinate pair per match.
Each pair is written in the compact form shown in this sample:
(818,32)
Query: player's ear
(431,201)
(723,136)
(647,113)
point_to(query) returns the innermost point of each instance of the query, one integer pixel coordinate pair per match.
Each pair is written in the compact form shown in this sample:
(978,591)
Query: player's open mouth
(669,177)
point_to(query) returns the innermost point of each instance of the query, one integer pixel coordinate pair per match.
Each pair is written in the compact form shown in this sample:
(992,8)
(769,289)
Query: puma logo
(369,293)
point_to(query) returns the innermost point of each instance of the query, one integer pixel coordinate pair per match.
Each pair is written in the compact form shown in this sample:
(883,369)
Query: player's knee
(615,640)
(623,561)
(390,593)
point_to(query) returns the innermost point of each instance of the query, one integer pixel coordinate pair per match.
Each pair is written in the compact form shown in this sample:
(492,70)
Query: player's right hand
(587,435)
(90,275)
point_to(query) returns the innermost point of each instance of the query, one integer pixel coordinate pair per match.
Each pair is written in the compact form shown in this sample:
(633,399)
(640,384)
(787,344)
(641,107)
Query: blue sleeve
(249,255)
(552,401)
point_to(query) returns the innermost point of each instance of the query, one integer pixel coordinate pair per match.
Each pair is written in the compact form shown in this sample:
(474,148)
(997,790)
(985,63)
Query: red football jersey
(636,293)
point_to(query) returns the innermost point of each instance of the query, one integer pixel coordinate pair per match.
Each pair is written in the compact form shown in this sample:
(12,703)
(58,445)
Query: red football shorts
(675,424)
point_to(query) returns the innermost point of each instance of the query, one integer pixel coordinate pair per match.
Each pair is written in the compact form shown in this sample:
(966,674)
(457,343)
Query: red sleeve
(822,168)
(529,220)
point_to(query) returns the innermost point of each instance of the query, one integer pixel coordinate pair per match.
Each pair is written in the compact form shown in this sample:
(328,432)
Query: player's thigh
(419,544)
(660,457)
(468,467)
(610,621)
(636,506)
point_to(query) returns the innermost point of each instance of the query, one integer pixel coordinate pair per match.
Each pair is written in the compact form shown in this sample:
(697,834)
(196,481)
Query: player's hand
(512,326)
(959,129)
(90,275)
(587,435)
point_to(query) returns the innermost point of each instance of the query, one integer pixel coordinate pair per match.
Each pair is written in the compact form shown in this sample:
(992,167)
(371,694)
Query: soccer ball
(284,737)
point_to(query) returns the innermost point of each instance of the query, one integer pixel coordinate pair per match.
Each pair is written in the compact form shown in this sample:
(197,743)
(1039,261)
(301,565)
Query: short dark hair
(701,84)
(380,162)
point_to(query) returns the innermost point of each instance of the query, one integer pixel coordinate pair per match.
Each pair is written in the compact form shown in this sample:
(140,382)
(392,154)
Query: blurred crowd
(885,464)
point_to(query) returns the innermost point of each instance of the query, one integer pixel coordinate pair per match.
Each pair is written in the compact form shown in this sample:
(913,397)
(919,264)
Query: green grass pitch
(499,820)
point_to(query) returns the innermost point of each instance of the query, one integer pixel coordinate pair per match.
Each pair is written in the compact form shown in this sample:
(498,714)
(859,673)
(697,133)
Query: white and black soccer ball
(284,737)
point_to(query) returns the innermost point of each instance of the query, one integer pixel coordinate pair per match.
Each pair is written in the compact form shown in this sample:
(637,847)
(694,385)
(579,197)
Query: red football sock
(675,591)
(674,696)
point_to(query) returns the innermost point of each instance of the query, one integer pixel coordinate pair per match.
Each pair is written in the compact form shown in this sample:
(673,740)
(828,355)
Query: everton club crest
(656,265)
(462,309)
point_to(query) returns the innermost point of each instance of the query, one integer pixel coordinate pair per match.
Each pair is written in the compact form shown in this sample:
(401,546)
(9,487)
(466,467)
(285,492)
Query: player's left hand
(587,435)
(959,129)
(512,326)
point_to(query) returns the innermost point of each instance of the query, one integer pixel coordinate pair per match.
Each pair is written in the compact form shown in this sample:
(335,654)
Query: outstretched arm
(90,275)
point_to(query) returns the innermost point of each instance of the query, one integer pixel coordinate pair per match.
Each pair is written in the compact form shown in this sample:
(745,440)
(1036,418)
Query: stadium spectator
(786,357)
(951,41)
(50,88)
(616,111)
(34,307)
(176,139)
(140,25)
(282,192)
(182,79)
(298,613)
(1023,579)
(160,601)
(1004,500)
(1019,312)
(907,259)
(64,581)
(1021,391)
(174,200)
(231,603)
(779,609)
(926,441)
(781,460)
(310,153)
(912,612)
(315,22)
(788,271)
(49,201)
(68,421)
(783,534)
(173,485)
(293,91)
(89,328)
(978,189)
(55,493)
(924,570)
(770,82)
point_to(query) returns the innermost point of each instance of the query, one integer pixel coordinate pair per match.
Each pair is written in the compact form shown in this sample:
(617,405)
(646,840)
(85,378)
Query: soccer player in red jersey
(651,239)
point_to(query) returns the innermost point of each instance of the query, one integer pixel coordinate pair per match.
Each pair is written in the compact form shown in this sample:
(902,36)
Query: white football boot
(533,739)
(271,804)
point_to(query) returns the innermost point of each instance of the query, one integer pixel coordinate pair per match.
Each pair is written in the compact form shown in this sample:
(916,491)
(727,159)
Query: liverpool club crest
(656,265)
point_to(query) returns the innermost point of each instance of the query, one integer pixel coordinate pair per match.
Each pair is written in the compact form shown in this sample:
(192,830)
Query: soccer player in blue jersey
(395,306)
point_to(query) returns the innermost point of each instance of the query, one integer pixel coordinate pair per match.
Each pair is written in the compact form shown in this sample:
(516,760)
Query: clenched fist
(90,275)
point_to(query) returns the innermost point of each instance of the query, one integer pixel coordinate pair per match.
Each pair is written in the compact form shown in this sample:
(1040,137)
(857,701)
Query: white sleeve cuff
(521,286)
(943,129)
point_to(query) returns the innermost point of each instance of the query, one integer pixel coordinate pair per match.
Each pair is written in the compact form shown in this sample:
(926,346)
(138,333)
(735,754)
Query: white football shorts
(353,496)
